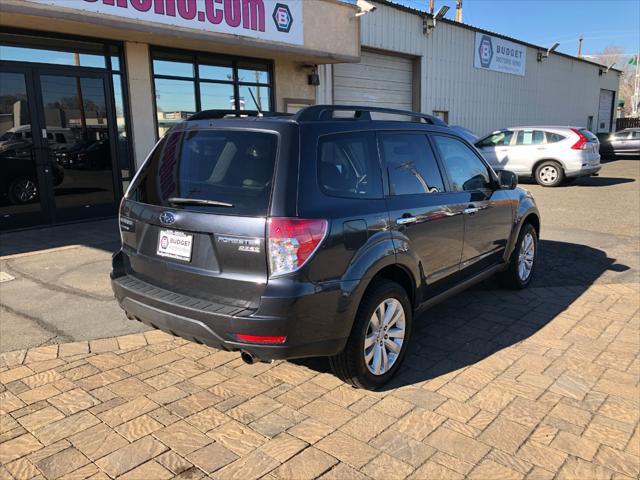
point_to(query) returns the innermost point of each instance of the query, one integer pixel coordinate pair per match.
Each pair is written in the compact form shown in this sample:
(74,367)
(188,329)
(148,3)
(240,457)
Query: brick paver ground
(536,384)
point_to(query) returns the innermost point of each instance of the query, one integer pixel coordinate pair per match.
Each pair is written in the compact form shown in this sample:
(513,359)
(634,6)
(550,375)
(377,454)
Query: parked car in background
(549,155)
(465,133)
(19,179)
(313,235)
(626,142)
(89,155)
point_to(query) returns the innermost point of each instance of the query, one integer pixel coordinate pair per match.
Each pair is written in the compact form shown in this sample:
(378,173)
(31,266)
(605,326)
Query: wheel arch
(534,219)
(399,274)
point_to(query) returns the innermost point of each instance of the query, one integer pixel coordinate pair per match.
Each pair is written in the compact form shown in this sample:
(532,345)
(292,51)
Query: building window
(189,82)
(442,115)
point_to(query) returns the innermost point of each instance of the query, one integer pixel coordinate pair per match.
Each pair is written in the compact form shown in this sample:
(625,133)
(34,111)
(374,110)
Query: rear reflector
(260,338)
(292,241)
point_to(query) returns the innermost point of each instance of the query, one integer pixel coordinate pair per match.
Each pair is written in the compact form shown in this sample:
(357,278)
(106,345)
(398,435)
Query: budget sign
(499,55)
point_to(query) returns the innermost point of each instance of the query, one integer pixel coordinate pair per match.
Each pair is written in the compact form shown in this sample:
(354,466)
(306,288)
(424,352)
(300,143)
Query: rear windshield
(590,136)
(231,169)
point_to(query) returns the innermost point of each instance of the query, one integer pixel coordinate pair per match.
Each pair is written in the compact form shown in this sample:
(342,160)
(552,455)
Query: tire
(512,277)
(350,365)
(23,190)
(549,174)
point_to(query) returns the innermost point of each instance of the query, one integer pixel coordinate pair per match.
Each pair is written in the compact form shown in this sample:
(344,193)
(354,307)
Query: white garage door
(378,81)
(605,111)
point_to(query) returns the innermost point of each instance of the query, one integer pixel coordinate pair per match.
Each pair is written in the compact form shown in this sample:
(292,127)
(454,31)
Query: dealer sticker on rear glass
(174,244)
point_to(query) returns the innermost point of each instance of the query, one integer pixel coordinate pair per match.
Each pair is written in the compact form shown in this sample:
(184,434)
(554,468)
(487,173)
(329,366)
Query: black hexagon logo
(282,17)
(485,51)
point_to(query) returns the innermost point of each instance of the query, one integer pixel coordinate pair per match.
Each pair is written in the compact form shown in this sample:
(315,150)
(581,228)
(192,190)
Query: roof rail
(316,113)
(217,114)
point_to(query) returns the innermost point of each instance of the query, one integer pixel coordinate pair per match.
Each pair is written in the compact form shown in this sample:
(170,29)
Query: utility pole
(636,89)
(459,11)
(432,6)
(580,46)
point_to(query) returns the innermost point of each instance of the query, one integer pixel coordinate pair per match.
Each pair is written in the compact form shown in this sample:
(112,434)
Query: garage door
(378,81)
(605,111)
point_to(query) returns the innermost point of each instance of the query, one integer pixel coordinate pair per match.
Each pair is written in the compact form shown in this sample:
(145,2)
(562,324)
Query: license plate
(174,244)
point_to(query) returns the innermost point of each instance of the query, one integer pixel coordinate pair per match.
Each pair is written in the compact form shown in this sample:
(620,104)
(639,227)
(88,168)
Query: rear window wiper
(198,201)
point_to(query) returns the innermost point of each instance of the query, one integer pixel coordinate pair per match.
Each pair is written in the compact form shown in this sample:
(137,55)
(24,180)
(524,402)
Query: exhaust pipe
(248,358)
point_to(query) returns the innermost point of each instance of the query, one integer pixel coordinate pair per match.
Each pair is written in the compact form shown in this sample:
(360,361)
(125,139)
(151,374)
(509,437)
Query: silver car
(626,142)
(550,155)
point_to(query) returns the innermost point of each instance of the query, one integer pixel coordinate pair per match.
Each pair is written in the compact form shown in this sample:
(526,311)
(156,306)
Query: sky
(544,22)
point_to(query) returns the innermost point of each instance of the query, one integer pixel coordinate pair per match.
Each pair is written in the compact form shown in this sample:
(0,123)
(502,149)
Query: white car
(548,154)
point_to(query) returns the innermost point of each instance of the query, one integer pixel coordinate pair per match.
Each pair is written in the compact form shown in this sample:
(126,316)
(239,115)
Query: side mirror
(508,180)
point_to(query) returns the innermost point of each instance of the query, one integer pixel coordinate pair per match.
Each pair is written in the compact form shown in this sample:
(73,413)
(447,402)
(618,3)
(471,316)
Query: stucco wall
(291,79)
(140,87)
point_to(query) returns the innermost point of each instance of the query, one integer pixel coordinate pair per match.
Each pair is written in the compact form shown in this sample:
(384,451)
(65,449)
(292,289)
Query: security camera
(364,7)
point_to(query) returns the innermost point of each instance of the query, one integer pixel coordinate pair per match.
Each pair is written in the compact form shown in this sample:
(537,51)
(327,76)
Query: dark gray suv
(318,234)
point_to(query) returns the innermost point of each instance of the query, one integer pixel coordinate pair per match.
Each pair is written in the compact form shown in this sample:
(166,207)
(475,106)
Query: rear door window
(348,165)
(231,167)
(530,137)
(411,164)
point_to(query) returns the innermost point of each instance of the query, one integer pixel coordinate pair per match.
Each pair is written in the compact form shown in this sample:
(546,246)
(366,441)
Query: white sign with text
(499,55)
(274,20)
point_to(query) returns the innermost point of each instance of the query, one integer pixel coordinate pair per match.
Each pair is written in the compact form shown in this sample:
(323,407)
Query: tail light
(292,241)
(581,144)
(120,218)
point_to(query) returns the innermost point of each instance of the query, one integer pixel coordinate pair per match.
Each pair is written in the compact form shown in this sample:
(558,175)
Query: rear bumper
(584,171)
(315,322)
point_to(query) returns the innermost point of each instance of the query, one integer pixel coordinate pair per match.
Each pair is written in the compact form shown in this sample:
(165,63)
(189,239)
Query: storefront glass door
(56,147)
(78,150)
(21,169)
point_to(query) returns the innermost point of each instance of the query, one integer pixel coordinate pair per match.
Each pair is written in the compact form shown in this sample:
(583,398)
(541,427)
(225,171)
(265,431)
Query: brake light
(292,241)
(581,144)
(261,338)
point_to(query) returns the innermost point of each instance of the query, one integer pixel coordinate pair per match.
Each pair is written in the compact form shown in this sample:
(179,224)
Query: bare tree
(614,55)
(611,55)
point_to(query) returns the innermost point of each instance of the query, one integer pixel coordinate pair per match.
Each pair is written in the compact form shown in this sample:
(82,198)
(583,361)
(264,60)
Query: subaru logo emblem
(167,218)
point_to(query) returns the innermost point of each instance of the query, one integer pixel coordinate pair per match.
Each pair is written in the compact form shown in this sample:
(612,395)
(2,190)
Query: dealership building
(470,77)
(88,86)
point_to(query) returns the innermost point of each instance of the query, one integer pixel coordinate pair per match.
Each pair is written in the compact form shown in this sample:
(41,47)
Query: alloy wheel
(384,337)
(526,256)
(25,190)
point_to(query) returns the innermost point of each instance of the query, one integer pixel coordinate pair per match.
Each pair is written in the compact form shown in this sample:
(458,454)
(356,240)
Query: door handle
(471,210)
(406,220)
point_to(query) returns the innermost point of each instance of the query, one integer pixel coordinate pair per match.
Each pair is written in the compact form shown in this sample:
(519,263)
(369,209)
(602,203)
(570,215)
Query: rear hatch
(194,221)
(591,144)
